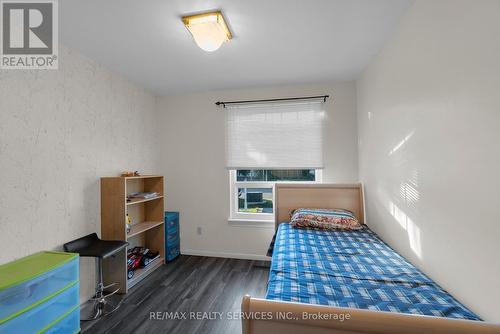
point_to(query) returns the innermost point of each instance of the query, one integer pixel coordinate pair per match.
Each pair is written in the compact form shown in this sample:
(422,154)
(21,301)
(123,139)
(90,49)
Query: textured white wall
(429,128)
(60,131)
(197,181)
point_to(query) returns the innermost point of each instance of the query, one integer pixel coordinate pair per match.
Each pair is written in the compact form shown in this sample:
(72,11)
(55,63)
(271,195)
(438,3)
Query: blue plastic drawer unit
(66,324)
(46,314)
(172,239)
(37,291)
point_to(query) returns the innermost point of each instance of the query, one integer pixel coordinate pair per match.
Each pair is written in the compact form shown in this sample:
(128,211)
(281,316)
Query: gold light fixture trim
(209,30)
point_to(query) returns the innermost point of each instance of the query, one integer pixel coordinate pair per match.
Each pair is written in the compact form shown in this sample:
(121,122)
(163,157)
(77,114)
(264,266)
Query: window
(252,190)
(268,143)
(274,136)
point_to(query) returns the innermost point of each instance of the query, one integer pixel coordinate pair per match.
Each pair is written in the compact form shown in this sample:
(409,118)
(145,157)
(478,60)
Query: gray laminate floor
(188,284)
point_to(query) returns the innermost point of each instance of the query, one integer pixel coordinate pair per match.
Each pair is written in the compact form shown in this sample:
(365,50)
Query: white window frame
(247,217)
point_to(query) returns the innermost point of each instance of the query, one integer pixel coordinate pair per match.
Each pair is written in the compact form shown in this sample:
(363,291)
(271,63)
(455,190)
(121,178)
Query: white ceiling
(276,42)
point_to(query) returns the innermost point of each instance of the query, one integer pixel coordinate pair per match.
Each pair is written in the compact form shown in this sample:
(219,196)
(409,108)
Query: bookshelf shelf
(147,224)
(141,273)
(142,200)
(142,227)
(142,177)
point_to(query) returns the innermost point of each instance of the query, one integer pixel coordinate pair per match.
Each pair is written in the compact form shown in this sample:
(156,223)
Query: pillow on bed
(326,219)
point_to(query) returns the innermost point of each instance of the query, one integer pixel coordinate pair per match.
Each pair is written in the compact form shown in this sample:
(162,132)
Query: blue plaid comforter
(353,269)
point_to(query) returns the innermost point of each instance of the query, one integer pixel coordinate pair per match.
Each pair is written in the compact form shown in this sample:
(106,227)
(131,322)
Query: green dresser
(40,293)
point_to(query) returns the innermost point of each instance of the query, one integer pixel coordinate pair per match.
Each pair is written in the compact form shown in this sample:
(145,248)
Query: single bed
(353,269)
(347,281)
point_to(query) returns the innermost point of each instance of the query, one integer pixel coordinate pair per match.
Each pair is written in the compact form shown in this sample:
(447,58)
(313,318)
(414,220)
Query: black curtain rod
(223,103)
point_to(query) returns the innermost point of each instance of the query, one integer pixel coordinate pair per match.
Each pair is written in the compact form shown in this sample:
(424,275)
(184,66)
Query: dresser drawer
(31,280)
(172,252)
(69,324)
(42,316)
(172,225)
(173,238)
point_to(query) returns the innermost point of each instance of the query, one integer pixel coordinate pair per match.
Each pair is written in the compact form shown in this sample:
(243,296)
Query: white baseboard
(225,255)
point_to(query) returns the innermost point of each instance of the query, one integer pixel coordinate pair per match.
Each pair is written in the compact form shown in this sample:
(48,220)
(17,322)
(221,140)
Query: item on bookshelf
(130,273)
(142,195)
(134,257)
(129,173)
(128,223)
(149,257)
(139,257)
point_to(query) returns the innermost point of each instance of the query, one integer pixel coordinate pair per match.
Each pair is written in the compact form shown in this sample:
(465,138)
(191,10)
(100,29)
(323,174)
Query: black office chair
(92,246)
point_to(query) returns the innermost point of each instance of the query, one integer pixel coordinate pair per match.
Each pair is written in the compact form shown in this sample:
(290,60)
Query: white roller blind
(276,135)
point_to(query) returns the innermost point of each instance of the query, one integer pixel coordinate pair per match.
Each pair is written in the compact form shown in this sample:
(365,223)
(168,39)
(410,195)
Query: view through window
(255,187)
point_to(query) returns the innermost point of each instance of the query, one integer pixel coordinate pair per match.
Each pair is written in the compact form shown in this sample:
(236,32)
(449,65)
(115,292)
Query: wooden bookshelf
(147,224)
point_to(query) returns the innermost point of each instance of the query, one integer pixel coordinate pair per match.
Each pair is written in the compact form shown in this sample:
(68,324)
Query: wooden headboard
(291,196)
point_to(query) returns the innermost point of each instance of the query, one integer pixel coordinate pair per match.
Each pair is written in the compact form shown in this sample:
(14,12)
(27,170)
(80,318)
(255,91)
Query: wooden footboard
(261,316)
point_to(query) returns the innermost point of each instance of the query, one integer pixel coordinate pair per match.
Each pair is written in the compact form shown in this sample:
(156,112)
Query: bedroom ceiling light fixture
(209,30)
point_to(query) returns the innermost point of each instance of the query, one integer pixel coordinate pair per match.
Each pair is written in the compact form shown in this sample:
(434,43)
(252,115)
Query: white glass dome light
(209,30)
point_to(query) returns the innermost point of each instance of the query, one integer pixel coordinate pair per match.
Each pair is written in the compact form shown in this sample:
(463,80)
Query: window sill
(240,222)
